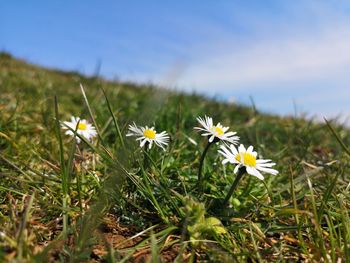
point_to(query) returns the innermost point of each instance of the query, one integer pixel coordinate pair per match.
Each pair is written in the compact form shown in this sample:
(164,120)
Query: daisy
(82,127)
(217,132)
(148,135)
(247,158)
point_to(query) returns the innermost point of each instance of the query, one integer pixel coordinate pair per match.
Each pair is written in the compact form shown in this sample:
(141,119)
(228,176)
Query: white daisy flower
(216,131)
(247,158)
(82,127)
(148,135)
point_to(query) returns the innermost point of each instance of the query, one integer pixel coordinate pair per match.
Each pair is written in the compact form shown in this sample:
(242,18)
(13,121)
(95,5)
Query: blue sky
(278,52)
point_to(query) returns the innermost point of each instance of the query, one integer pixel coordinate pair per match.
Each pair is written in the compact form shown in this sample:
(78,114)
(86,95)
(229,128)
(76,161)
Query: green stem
(234,185)
(201,162)
(22,227)
(145,157)
(79,173)
(65,203)
(63,168)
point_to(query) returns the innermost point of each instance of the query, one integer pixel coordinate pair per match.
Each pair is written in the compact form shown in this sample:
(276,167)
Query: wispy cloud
(307,62)
(324,55)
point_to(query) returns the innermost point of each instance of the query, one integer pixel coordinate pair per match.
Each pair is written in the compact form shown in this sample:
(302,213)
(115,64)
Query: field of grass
(111,201)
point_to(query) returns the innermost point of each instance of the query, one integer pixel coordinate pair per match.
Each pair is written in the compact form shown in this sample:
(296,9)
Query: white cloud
(300,52)
(314,57)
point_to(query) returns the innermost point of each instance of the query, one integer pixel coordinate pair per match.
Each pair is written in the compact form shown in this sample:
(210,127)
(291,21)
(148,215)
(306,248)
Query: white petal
(160,145)
(142,143)
(225,151)
(225,161)
(233,149)
(241,148)
(265,164)
(263,161)
(203,122)
(69,132)
(236,168)
(225,129)
(229,134)
(254,172)
(250,149)
(268,170)
(209,121)
(211,139)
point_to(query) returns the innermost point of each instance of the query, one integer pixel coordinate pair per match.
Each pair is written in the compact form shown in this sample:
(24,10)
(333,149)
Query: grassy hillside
(109,200)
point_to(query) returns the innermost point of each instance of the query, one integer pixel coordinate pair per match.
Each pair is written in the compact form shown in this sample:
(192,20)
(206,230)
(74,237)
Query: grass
(101,202)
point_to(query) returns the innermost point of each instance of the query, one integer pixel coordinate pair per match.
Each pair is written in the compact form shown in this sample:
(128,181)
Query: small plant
(200,227)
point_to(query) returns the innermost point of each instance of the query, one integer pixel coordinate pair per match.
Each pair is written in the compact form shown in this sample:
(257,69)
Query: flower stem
(241,172)
(79,174)
(201,162)
(145,157)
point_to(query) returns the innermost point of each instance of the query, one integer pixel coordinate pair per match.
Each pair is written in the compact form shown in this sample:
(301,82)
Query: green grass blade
(90,112)
(337,137)
(64,172)
(22,227)
(116,126)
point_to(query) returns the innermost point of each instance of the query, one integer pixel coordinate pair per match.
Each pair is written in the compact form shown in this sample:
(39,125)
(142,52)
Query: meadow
(109,200)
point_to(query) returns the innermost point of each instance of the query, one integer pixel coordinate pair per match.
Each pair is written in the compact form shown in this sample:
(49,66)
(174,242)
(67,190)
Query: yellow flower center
(82,126)
(218,131)
(248,159)
(149,134)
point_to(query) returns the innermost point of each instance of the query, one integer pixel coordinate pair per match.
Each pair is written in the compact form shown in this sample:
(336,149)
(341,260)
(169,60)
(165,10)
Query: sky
(289,56)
